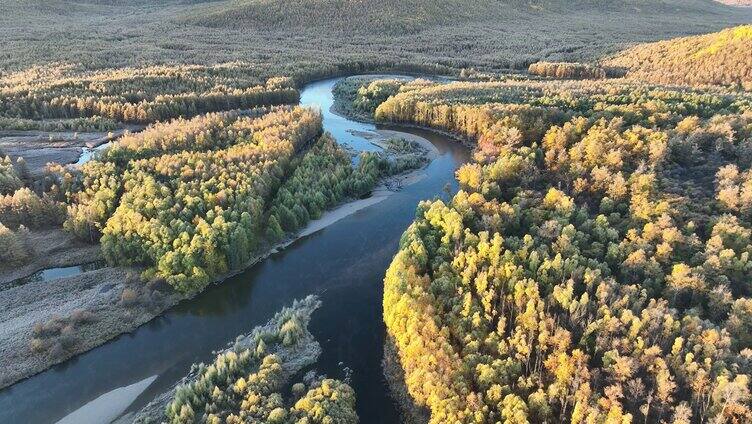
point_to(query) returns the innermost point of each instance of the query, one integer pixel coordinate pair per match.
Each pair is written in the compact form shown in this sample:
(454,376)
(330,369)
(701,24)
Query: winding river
(344,264)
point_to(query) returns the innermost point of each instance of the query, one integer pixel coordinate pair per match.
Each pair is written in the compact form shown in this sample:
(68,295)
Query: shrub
(14,249)
(81,316)
(128,297)
(24,207)
(38,345)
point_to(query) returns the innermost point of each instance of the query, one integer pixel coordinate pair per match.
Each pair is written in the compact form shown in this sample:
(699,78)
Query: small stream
(344,264)
(88,153)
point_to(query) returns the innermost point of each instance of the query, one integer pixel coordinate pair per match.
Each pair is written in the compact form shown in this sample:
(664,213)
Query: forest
(94,99)
(193,199)
(246,382)
(591,266)
(594,265)
(692,60)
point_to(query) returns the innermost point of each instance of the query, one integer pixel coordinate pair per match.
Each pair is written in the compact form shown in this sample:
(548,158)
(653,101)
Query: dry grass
(59,335)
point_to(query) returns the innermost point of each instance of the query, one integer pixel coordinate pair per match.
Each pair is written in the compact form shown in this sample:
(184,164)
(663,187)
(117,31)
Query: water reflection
(53,273)
(344,264)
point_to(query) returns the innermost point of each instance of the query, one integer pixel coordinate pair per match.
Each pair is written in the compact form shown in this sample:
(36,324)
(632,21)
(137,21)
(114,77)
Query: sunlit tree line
(202,133)
(720,58)
(593,267)
(138,95)
(469,108)
(95,123)
(566,70)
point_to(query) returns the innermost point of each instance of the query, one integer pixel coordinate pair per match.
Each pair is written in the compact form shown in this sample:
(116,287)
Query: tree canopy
(719,58)
(593,267)
(246,382)
(193,199)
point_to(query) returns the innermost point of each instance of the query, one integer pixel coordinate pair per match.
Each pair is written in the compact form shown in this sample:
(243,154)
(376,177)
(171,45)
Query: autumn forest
(336,212)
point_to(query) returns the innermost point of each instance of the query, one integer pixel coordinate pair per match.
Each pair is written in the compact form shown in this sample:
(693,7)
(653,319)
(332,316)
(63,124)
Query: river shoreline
(117,303)
(344,265)
(410,411)
(38,148)
(338,109)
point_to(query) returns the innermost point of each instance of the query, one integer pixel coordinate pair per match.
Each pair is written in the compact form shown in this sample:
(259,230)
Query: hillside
(394,16)
(320,37)
(720,58)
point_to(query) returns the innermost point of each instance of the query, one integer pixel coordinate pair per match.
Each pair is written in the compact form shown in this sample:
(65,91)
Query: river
(344,264)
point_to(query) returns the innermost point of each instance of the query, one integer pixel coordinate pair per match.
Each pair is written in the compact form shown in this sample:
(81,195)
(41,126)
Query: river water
(344,264)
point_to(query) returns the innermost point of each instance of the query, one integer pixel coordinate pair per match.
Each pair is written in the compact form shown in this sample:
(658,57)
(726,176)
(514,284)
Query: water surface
(88,153)
(54,273)
(344,264)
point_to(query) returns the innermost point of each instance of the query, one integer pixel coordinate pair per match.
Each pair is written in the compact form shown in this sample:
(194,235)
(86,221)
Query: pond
(53,273)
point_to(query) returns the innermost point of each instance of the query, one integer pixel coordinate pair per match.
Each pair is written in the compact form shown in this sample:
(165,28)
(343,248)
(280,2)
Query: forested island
(246,381)
(169,210)
(571,181)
